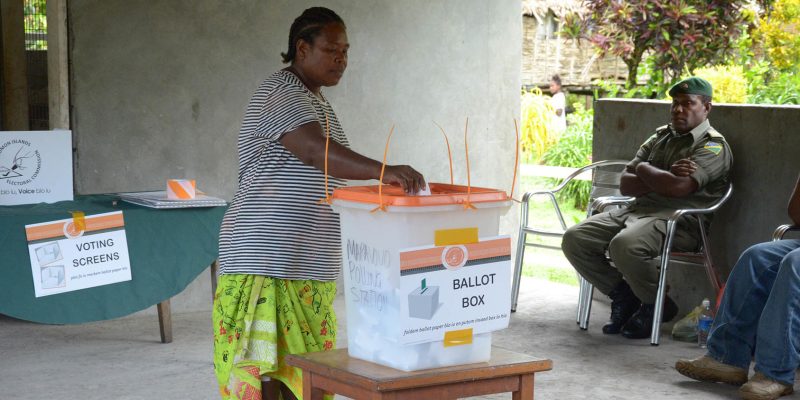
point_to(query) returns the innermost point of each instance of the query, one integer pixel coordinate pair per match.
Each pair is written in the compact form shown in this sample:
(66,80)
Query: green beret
(693,85)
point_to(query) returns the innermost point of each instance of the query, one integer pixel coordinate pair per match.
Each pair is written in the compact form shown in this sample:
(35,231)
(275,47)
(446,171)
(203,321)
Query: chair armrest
(527,196)
(782,230)
(526,203)
(696,211)
(551,193)
(601,203)
(583,169)
(548,192)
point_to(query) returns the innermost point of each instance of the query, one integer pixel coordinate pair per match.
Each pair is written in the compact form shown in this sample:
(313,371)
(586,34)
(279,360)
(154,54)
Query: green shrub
(782,89)
(574,149)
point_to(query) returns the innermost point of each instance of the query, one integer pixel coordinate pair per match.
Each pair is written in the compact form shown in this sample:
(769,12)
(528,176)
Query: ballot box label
(455,287)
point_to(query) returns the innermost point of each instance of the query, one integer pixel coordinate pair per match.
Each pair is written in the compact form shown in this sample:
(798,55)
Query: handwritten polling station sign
(78,253)
(35,167)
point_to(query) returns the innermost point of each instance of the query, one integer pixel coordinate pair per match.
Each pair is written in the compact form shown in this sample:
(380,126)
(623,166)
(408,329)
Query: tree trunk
(633,70)
(633,62)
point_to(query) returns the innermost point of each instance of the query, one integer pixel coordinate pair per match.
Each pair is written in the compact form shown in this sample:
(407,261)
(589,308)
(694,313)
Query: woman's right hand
(403,175)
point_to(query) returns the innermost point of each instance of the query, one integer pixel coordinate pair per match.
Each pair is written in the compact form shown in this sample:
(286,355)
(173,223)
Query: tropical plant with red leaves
(680,35)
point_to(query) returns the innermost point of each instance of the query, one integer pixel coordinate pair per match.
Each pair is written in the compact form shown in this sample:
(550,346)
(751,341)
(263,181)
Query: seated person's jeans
(760,312)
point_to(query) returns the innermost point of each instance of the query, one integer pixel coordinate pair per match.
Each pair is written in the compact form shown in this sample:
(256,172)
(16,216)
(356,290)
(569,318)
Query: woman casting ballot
(279,246)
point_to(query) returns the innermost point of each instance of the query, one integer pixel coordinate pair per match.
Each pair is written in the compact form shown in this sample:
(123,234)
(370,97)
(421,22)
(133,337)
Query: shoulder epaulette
(714,134)
(662,129)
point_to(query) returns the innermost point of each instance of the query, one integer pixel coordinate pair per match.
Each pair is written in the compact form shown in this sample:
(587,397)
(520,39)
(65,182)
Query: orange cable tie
(468,203)
(449,154)
(516,158)
(381,206)
(327,199)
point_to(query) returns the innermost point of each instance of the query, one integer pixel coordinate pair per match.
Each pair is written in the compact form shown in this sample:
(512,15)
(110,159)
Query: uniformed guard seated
(683,165)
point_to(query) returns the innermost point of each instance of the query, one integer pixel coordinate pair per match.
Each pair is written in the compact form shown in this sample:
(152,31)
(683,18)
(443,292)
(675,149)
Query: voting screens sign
(78,253)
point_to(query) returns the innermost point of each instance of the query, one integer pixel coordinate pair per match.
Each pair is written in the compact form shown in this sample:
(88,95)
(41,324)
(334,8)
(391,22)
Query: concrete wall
(764,142)
(159,88)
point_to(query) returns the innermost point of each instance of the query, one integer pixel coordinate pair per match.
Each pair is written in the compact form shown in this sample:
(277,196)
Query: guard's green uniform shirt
(703,145)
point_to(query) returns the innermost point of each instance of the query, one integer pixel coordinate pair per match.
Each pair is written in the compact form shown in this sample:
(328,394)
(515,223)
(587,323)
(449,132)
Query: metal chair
(702,256)
(605,185)
(782,230)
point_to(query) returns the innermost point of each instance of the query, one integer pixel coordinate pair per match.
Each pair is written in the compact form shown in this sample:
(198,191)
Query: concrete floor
(123,359)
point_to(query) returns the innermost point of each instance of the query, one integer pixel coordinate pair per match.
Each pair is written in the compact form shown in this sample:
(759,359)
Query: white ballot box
(426,278)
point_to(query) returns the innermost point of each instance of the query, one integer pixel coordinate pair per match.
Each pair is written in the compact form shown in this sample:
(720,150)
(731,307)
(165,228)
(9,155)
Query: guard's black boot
(641,324)
(623,305)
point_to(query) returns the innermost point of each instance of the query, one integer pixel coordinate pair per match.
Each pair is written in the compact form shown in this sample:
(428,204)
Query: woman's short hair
(556,79)
(308,26)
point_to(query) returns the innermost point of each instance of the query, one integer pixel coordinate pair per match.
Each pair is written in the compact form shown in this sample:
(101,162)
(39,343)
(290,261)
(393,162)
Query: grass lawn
(545,263)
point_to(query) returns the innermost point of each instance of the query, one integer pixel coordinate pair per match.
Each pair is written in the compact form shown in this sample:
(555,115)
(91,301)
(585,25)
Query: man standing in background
(559,103)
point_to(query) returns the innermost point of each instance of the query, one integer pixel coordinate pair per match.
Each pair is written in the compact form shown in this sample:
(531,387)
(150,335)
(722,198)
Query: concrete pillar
(57,64)
(15,80)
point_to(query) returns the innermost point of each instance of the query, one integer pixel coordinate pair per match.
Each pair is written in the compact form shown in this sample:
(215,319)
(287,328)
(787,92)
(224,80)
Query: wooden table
(335,372)
(168,249)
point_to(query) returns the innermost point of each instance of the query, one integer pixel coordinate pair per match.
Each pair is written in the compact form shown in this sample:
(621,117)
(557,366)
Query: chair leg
(708,263)
(581,288)
(585,304)
(518,269)
(658,307)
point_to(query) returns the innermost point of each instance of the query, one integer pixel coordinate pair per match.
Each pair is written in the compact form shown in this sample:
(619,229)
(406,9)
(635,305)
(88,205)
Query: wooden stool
(335,372)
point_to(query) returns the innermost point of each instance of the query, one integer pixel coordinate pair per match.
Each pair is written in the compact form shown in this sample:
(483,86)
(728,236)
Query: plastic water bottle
(704,324)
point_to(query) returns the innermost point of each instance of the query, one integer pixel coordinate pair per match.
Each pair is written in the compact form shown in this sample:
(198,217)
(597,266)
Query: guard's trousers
(632,241)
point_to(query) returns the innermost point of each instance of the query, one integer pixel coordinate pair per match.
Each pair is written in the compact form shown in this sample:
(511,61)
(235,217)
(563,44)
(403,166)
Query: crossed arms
(645,178)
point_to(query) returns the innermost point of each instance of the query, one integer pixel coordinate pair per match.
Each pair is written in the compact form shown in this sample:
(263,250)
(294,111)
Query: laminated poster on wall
(78,253)
(453,288)
(35,167)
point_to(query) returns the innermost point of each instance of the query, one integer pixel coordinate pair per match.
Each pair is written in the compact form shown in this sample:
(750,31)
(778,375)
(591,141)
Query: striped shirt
(275,225)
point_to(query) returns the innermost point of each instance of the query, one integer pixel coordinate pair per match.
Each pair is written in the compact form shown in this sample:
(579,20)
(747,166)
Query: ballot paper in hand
(425,191)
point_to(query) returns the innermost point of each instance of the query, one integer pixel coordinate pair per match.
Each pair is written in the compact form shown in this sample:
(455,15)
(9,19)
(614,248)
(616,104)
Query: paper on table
(158,199)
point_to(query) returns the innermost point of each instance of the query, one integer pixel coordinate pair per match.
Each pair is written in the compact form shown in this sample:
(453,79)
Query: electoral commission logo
(20,162)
